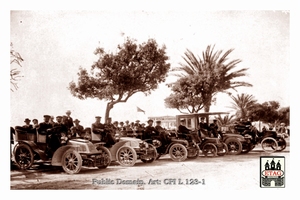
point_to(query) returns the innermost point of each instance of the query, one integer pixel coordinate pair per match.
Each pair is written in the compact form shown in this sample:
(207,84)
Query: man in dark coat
(45,127)
(213,127)
(27,125)
(77,130)
(150,130)
(69,120)
(182,128)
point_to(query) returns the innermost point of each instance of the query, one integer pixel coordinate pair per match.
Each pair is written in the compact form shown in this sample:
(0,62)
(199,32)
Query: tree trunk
(109,106)
(206,108)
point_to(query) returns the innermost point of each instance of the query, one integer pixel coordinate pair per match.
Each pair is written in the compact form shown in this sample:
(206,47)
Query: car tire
(71,162)
(107,156)
(23,156)
(126,156)
(178,152)
(234,146)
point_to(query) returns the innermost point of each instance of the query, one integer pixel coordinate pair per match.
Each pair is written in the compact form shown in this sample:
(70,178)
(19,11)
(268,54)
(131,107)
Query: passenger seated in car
(77,130)
(203,128)
(162,132)
(182,128)
(150,131)
(213,128)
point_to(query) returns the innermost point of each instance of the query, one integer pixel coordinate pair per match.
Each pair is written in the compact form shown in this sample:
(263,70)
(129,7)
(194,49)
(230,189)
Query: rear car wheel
(23,156)
(151,155)
(269,145)
(126,156)
(209,149)
(105,155)
(224,150)
(281,144)
(234,146)
(178,152)
(71,162)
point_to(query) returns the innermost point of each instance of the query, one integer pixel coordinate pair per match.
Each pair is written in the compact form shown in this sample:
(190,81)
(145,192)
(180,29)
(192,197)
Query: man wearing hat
(27,126)
(59,134)
(150,130)
(60,126)
(35,123)
(69,120)
(77,130)
(45,126)
(127,126)
(182,128)
(158,126)
(213,127)
(97,127)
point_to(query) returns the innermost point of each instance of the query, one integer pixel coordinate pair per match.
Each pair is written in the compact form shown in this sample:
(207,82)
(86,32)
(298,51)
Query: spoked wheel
(151,155)
(105,155)
(126,156)
(224,150)
(178,152)
(71,162)
(234,146)
(23,156)
(269,145)
(281,144)
(209,149)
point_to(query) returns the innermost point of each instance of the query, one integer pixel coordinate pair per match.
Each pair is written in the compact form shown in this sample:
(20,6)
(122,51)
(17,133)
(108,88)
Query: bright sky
(54,44)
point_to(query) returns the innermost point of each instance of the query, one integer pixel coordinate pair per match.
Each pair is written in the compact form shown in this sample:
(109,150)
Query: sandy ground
(227,172)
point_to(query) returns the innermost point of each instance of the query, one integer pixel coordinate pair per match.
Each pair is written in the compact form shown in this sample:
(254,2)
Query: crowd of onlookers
(73,129)
(70,128)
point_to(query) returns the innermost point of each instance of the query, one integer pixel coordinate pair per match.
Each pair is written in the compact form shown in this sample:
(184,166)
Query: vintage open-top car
(210,146)
(178,149)
(33,147)
(125,150)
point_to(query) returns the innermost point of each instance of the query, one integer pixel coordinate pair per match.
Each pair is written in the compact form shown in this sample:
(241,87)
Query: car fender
(57,156)
(114,149)
(238,137)
(34,148)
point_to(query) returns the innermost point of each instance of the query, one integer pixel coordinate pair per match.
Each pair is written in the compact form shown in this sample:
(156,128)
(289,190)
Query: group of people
(206,130)
(69,128)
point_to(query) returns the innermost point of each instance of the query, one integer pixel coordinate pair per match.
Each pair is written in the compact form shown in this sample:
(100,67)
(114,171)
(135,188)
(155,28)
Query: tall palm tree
(217,75)
(242,104)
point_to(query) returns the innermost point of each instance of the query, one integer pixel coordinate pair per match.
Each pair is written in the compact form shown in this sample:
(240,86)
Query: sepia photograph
(150,98)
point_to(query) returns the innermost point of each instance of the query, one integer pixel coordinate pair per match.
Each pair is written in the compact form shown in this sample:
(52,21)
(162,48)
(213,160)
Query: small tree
(243,104)
(15,58)
(115,77)
(188,93)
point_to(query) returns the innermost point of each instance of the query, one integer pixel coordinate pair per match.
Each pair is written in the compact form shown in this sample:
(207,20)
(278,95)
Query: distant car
(71,155)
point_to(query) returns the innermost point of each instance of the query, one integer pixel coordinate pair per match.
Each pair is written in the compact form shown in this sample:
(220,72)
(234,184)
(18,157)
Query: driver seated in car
(182,128)
(203,128)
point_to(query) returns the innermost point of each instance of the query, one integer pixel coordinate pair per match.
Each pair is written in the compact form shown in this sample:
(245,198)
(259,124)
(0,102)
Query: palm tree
(217,75)
(242,104)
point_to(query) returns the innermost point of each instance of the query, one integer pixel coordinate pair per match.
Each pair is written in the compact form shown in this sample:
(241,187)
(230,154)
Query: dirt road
(227,172)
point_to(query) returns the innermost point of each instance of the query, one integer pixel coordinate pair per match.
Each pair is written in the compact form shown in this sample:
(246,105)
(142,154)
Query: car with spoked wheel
(71,154)
(125,150)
